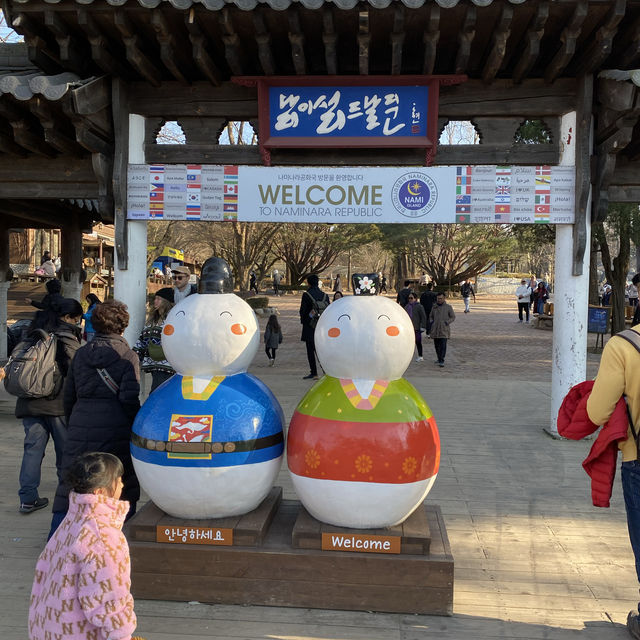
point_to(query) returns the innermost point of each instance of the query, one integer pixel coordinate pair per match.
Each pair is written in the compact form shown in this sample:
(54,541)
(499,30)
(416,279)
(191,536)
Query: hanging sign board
(467,194)
(307,112)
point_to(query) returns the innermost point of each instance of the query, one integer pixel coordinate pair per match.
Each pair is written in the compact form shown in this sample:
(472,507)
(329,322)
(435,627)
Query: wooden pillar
(71,256)
(5,282)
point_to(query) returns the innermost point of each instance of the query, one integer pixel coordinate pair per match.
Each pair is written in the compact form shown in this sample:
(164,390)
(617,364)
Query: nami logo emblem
(414,194)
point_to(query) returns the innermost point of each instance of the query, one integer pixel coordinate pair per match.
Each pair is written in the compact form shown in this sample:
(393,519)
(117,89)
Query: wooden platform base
(277,572)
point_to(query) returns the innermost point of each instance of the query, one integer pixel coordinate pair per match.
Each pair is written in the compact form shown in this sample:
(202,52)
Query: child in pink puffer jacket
(82,581)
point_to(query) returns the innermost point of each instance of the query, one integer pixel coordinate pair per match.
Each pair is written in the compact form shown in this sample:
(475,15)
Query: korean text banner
(463,194)
(348,111)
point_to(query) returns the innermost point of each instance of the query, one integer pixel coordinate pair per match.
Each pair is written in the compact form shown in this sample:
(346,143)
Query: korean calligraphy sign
(354,111)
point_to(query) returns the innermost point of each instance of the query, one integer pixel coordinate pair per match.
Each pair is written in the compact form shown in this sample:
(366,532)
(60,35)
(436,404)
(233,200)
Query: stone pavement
(533,558)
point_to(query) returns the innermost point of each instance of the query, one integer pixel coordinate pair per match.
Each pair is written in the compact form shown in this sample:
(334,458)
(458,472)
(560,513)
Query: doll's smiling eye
(384,316)
(344,315)
(180,312)
(227,312)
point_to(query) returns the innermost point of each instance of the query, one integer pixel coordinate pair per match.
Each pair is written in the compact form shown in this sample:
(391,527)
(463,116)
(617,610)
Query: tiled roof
(248,5)
(22,80)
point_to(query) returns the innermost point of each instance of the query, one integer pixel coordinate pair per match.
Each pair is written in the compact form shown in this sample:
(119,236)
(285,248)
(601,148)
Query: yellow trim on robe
(189,394)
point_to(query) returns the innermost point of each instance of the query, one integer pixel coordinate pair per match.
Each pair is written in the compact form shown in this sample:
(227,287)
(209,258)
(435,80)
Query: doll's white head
(365,337)
(210,335)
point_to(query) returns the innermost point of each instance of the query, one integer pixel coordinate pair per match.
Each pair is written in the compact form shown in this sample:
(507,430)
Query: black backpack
(32,370)
(318,307)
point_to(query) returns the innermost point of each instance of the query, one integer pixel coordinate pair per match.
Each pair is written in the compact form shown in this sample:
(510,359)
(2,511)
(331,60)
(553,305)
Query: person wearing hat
(149,344)
(523,296)
(181,287)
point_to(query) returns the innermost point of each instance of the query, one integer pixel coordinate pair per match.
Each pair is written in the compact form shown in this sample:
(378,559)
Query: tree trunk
(593,273)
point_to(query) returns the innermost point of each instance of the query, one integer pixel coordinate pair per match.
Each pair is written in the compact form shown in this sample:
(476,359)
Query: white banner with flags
(453,194)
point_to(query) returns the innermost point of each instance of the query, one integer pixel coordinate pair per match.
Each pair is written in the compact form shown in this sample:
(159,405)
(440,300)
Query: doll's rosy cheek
(393,331)
(334,332)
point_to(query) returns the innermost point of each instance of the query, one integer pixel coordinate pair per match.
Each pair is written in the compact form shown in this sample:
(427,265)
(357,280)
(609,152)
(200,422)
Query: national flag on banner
(502,199)
(502,217)
(464,171)
(193,212)
(461,208)
(543,170)
(156,206)
(230,187)
(231,170)
(156,173)
(503,170)
(153,187)
(462,218)
(543,198)
(460,189)
(156,196)
(460,180)
(193,197)
(503,208)
(194,177)
(463,199)
(543,208)
(503,190)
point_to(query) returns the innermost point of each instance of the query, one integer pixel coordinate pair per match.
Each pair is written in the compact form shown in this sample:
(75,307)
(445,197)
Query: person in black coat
(308,321)
(43,418)
(52,298)
(427,300)
(101,401)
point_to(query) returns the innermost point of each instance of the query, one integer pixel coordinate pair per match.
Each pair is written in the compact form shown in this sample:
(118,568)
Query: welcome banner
(453,194)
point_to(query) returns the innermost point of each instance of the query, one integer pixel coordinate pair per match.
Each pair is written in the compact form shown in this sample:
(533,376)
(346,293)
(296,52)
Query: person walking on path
(540,296)
(89,332)
(83,575)
(441,317)
(523,296)
(311,300)
(403,295)
(383,283)
(181,287)
(43,418)
(466,290)
(101,400)
(149,344)
(272,338)
(253,282)
(619,377)
(337,284)
(277,278)
(427,300)
(633,294)
(419,320)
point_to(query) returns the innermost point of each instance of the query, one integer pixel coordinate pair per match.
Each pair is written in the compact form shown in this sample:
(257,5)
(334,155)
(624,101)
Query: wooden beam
(397,40)
(103,170)
(199,50)
(9,146)
(121,110)
(101,52)
(532,39)
(584,116)
(92,97)
(72,52)
(40,48)
(364,41)
(630,41)
(521,154)
(569,38)
(600,47)
(27,214)
(330,39)
(465,38)
(200,99)
(296,39)
(624,194)
(54,128)
(24,136)
(202,154)
(530,99)
(430,39)
(231,40)
(263,39)
(501,34)
(137,59)
(170,52)
(71,249)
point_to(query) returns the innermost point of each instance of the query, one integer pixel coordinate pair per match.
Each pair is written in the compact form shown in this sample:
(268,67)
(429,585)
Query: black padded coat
(99,419)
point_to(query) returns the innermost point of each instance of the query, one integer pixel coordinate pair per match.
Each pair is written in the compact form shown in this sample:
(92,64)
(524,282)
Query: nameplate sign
(194,535)
(360,543)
